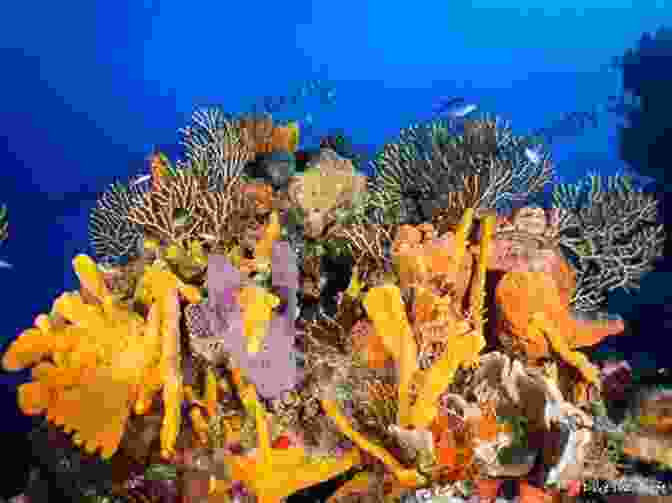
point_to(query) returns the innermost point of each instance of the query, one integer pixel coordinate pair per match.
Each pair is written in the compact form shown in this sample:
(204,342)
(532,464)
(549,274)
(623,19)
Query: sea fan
(216,147)
(113,237)
(609,229)
(437,170)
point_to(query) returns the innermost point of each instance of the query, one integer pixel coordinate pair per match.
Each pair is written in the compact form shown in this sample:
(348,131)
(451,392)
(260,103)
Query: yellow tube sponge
(257,305)
(435,380)
(477,301)
(90,276)
(104,359)
(424,305)
(407,477)
(386,310)
(462,235)
(199,424)
(157,282)
(171,372)
(264,247)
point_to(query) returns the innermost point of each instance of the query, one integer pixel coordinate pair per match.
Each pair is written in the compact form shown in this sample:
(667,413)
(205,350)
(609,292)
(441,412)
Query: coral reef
(450,350)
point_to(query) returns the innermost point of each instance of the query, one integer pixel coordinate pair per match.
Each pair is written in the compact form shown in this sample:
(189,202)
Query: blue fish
(463,111)
(455,108)
(532,155)
(446,104)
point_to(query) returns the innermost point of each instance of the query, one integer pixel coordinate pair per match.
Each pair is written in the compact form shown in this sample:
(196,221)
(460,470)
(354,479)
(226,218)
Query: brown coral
(368,243)
(172,213)
(183,209)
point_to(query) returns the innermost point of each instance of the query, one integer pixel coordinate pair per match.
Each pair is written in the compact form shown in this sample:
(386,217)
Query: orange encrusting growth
(521,294)
(532,312)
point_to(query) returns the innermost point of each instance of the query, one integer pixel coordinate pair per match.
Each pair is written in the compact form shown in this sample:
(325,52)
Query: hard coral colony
(452,355)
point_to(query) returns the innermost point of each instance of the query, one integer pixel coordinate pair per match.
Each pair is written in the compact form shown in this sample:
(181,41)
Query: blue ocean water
(89,87)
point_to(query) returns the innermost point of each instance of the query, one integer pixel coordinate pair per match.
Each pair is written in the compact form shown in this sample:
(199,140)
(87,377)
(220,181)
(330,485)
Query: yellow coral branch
(172,375)
(248,396)
(210,392)
(90,276)
(477,300)
(152,382)
(264,247)
(462,235)
(385,308)
(257,305)
(199,424)
(435,380)
(407,477)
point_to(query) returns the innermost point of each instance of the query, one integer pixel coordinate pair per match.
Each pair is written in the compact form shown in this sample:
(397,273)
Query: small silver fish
(5,265)
(462,111)
(532,155)
(208,237)
(445,104)
(141,179)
